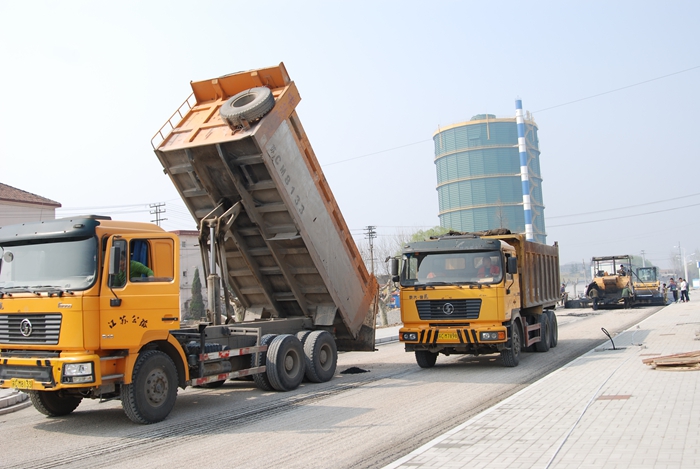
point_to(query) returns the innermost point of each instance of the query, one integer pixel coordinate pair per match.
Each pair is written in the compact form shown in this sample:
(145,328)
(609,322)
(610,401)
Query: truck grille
(448,309)
(30,329)
(38,373)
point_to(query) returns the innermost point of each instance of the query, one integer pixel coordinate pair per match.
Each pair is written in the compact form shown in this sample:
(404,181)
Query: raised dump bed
(284,245)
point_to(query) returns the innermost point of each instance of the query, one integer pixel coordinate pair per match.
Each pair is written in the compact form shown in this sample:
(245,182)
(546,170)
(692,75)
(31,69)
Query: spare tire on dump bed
(249,105)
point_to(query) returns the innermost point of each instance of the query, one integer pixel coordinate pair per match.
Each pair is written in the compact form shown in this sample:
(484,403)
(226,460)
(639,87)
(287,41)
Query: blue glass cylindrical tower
(479,175)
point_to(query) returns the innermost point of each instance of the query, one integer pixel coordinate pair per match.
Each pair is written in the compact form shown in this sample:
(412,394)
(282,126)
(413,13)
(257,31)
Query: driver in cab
(136,270)
(487,269)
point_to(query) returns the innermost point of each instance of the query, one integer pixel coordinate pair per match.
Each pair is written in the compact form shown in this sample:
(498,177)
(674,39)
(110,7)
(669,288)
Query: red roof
(185,232)
(11,194)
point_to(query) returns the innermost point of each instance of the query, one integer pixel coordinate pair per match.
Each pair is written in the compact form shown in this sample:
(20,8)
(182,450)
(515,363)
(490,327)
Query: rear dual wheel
(554,328)
(545,333)
(285,362)
(290,358)
(321,356)
(259,359)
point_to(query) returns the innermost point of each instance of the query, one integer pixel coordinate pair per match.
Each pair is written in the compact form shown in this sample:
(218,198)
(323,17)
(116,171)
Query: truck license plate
(19,383)
(447,336)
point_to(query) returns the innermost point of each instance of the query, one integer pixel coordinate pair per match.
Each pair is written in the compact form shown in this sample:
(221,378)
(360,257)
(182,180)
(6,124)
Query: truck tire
(511,356)
(302,335)
(249,105)
(258,359)
(151,395)
(426,358)
(545,333)
(321,356)
(54,404)
(554,327)
(285,362)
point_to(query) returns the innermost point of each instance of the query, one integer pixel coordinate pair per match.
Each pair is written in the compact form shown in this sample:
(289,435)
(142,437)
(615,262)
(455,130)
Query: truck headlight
(490,336)
(78,373)
(410,336)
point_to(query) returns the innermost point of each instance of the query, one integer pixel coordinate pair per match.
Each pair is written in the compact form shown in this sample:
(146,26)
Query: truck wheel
(426,358)
(545,333)
(554,327)
(285,362)
(151,395)
(511,356)
(250,105)
(302,335)
(321,356)
(54,404)
(258,359)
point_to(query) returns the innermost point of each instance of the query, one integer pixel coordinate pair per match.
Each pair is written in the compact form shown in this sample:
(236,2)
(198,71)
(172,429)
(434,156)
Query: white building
(190,259)
(18,206)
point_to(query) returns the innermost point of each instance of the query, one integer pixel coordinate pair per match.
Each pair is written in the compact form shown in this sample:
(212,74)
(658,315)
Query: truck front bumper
(49,374)
(454,336)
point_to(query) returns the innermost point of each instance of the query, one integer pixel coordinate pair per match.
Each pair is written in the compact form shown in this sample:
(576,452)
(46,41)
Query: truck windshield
(646,274)
(451,268)
(64,265)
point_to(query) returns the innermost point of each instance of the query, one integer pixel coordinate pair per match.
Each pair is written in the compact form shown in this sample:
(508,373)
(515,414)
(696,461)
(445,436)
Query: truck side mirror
(394,267)
(512,265)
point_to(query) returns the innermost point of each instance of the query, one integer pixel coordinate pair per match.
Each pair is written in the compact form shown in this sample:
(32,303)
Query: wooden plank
(649,361)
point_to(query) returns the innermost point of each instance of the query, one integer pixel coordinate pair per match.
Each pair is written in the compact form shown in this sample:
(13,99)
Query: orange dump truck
(89,306)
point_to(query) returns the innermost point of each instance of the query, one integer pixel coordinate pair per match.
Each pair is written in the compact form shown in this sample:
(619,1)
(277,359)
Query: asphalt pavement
(12,400)
(607,408)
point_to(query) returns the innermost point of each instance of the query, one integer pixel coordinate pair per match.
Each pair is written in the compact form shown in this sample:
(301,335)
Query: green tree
(196,303)
(422,235)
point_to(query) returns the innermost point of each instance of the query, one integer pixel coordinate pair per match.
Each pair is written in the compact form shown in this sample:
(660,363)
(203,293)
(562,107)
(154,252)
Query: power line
(625,216)
(377,152)
(617,89)
(624,208)
(541,110)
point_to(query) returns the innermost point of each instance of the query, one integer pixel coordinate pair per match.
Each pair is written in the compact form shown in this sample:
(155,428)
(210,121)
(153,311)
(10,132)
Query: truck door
(512,298)
(141,296)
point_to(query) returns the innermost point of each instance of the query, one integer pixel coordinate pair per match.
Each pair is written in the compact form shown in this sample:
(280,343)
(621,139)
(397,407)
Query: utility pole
(644,259)
(681,259)
(371,234)
(157,211)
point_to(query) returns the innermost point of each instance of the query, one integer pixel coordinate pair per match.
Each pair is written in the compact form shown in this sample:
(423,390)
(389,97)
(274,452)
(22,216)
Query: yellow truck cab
(477,293)
(69,329)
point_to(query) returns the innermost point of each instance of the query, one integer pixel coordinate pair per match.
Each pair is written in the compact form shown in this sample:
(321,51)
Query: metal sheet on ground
(354,421)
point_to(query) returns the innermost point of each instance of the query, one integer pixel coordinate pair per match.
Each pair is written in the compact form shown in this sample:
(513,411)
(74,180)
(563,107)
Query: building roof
(186,232)
(12,194)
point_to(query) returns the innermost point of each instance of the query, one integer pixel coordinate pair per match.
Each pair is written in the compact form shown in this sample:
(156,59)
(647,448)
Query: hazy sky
(87,84)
